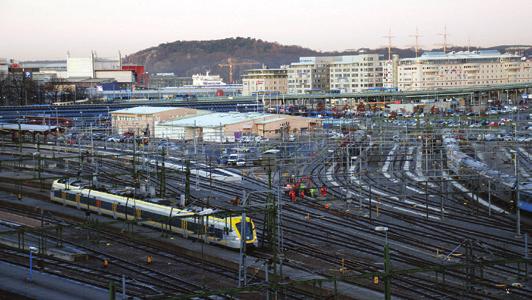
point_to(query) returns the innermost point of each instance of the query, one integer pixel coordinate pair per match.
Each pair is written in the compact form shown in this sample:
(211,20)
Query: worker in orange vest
(323,191)
(302,194)
(292,195)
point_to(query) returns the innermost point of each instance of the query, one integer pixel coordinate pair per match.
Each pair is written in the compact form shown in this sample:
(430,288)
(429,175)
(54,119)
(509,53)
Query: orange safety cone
(149,259)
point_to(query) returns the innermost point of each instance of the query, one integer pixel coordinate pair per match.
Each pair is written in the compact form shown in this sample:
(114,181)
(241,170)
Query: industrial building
(91,69)
(142,119)
(439,70)
(265,81)
(229,127)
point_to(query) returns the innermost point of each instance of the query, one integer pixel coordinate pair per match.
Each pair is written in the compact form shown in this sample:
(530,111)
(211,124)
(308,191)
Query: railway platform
(14,280)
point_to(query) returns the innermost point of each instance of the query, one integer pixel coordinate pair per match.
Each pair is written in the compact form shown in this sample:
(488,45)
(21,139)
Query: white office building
(439,70)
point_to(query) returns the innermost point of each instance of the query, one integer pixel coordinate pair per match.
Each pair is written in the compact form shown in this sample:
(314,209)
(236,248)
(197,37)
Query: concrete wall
(119,76)
(80,67)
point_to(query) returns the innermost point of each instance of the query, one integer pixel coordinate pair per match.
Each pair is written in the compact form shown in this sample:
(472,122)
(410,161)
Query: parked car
(168,146)
(240,162)
(233,158)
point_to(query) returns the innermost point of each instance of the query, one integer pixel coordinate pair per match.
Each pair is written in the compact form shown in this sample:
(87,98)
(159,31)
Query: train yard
(372,208)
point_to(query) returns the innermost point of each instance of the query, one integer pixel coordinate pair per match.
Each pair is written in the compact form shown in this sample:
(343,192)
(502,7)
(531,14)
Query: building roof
(216,119)
(481,54)
(145,110)
(270,120)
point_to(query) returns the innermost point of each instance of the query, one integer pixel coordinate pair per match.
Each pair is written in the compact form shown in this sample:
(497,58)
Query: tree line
(16,89)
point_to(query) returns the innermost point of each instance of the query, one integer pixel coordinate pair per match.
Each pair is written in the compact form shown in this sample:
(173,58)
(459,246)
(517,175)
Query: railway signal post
(387,264)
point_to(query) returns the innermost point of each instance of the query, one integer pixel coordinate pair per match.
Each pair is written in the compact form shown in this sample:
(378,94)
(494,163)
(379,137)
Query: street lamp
(32,250)
(385,230)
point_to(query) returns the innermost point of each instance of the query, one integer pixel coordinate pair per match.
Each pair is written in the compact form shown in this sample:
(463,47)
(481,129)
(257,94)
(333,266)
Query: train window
(71,197)
(216,232)
(249,232)
(211,229)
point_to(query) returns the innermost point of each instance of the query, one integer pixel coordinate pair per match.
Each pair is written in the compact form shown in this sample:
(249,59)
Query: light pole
(516,189)
(387,265)
(32,250)
(242,269)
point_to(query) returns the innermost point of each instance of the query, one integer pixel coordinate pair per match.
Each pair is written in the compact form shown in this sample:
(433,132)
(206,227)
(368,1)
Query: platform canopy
(28,128)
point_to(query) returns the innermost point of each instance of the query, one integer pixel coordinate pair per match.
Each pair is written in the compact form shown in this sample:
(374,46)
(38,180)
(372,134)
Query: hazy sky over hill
(38,29)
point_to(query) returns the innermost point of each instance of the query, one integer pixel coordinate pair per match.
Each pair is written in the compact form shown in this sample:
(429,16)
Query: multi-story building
(267,81)
(439,70)
(310,74)
(346,74)
(356,73)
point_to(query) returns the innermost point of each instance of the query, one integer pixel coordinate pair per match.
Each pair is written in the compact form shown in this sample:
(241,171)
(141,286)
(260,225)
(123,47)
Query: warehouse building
(229,127)
(143,119)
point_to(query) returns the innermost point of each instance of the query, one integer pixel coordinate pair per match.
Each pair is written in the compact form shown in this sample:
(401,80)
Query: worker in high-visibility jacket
(292,195)
(302,194)
(323,191)
(313,192)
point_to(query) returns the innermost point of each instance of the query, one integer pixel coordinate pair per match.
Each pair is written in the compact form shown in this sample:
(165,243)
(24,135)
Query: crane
(232,63)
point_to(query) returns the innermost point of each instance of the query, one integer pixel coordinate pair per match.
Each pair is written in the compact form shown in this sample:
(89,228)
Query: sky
(47,29)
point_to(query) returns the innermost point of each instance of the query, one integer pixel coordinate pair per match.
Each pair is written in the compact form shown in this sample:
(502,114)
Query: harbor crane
(231,63)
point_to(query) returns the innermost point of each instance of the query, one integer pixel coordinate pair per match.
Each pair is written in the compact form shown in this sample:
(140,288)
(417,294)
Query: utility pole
(242,268)
(187,182)
(162,175)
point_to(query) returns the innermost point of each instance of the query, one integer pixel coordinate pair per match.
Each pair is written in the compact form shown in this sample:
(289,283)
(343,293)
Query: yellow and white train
(199,225)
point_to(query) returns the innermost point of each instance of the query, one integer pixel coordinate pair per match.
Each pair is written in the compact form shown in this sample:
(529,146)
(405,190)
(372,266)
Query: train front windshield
(249,230)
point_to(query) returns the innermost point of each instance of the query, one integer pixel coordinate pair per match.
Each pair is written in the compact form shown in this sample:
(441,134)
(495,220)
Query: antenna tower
(417,36)
(445,36)
(389,37)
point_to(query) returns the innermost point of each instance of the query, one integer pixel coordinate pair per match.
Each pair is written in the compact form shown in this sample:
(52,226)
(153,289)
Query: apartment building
(439,70)
(345,74)
(356,73)
(310,74)
(267,81)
